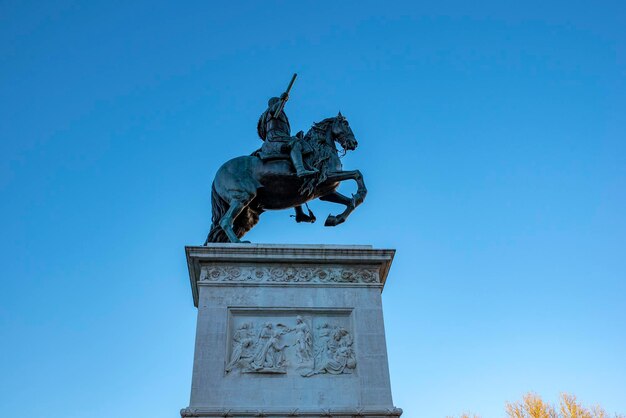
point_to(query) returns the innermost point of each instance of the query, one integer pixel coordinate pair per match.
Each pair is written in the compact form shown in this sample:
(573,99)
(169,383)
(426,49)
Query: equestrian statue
(286,172)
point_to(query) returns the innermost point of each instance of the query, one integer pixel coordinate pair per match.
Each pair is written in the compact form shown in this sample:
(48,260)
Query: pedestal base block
(289,331)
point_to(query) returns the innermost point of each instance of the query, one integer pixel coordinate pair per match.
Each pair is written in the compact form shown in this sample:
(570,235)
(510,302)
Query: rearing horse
(246,186)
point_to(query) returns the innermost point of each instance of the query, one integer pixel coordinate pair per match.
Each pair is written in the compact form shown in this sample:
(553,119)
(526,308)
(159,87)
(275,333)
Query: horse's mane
(321,125)
(320,157)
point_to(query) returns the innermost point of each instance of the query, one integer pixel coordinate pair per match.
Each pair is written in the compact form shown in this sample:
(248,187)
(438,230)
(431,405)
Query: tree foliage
(532,406)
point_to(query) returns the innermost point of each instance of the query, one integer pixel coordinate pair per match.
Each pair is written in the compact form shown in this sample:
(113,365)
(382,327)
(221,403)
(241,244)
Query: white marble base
(287,331)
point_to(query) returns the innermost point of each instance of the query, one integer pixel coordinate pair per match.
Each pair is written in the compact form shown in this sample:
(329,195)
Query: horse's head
(342,133)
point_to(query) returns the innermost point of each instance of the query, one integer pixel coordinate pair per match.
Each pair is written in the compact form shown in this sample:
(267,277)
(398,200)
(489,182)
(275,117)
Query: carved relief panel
(302,342)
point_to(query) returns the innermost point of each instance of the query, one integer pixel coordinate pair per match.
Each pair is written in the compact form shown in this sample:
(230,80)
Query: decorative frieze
(289,274)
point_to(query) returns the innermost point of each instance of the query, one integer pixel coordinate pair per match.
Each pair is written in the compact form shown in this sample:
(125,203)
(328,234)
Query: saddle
(280,149)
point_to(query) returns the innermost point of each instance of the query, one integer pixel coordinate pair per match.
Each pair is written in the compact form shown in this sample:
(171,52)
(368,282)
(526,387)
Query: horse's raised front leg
(337,197)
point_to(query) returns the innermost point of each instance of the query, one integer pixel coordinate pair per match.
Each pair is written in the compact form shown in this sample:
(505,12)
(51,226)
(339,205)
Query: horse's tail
(218,207)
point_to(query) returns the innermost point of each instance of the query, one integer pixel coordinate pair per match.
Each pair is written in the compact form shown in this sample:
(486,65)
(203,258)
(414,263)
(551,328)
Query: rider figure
(274,129)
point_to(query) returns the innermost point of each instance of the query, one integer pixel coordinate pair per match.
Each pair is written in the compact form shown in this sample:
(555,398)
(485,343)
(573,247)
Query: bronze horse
(246,186)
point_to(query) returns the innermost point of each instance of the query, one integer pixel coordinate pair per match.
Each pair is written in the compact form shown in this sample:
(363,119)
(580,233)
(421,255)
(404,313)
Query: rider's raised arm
(275,107)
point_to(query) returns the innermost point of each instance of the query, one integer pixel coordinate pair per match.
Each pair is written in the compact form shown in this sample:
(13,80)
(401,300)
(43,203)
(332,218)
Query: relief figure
(335,354)
(243,344)
(270,357)
(304,340)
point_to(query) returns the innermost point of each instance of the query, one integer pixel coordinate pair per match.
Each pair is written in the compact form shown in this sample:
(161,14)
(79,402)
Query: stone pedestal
(289,331)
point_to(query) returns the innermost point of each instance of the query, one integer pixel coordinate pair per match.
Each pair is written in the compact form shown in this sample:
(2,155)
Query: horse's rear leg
(227,221)
(303,217)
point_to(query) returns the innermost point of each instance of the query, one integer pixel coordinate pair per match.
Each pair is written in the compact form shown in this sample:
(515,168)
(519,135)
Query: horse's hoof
(306,219)
(331,221)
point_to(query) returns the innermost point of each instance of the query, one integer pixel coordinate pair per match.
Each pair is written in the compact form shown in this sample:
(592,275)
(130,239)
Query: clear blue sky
(493,143)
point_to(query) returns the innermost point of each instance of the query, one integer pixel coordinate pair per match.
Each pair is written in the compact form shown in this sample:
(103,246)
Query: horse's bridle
(342,137)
